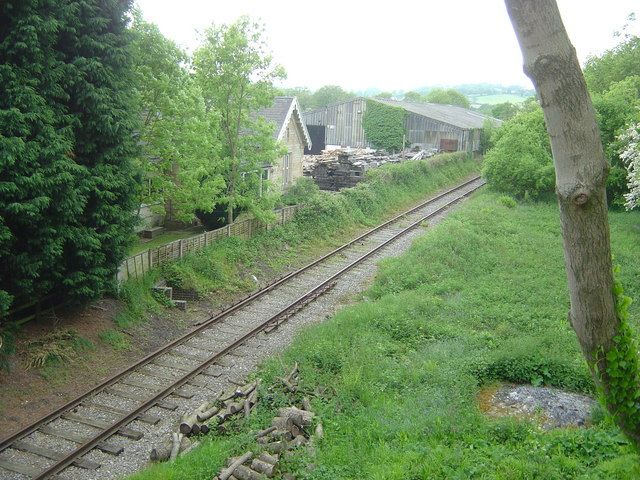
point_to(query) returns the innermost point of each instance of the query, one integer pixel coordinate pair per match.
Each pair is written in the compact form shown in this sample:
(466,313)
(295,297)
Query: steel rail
(63,463)
(6,443)
(87,446)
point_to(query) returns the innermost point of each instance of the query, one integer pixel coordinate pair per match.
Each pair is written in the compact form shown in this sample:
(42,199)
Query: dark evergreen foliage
(67,184)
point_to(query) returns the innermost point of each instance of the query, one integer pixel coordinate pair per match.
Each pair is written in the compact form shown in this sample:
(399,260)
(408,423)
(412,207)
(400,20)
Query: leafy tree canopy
(179,158)
(67,119)
(520,163)
(236,73)
(504,111)
(447,97)
(413,97)
(614,65)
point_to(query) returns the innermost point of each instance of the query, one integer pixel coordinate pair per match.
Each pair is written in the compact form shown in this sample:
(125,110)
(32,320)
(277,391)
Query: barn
(290,129)
(430,125)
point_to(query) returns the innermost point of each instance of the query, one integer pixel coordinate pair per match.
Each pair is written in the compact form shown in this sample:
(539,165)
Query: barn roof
(451,114)
(280,112)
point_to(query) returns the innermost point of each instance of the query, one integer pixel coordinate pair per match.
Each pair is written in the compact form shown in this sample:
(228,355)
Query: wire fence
(140,263)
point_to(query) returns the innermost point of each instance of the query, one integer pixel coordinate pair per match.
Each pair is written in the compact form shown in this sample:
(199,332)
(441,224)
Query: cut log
(288,385)
(302,418)
(276,447)
(188,421)
(175,447)
(293,373)
(306,404)
(272,459)
(263,467)
(264,432)
(207,414)
(162,452)
(245,473)
(226,473)
(319,431)
(299,441)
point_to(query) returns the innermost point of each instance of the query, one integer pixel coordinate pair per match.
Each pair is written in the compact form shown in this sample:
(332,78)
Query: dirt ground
(28,394)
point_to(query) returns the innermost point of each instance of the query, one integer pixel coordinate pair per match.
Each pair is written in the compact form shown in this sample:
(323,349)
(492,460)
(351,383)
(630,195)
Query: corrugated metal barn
(443,127)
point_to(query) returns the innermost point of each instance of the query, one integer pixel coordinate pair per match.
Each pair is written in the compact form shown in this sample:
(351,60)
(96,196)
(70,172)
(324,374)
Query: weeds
(61,346)
(225,266)
(115,339)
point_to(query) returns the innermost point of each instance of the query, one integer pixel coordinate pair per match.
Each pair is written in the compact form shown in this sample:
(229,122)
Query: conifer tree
(67,184)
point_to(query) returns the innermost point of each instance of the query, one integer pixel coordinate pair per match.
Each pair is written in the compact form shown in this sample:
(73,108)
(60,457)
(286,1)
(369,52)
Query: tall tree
(179,153)
(236,75)
(598,309)
(329,94)
(413,97)
(447,97)
(66,142)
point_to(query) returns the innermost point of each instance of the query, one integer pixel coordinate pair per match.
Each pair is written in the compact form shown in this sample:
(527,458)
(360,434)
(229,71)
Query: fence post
(149,258)
(180,249)
(228,229)
(282,222)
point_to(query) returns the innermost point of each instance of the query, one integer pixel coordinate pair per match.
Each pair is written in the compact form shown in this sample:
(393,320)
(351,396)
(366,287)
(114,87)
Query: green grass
(142,246)
(498,98)
(225,268)
(115,340)
(481,298)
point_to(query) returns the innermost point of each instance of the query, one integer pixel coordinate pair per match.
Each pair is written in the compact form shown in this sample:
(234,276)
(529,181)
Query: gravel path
(218,376)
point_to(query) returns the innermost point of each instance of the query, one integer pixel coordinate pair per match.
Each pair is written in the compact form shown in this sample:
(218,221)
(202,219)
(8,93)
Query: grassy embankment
(479,299)
(328,219)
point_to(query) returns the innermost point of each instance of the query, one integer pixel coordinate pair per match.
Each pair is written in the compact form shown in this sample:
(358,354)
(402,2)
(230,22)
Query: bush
(520,163)
(507,201)
(300,192)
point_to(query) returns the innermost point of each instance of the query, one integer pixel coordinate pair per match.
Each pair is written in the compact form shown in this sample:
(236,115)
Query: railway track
(165,377)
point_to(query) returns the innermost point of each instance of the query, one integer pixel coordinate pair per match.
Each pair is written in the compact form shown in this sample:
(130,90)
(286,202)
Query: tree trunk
(581,172)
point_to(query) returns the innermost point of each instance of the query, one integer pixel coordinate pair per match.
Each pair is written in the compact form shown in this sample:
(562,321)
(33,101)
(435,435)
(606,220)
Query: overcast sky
(393,44)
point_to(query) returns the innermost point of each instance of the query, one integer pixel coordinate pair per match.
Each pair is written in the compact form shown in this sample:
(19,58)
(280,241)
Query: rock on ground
(550,406)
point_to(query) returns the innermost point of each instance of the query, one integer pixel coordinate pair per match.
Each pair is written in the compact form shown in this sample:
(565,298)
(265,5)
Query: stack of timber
(290,430)
(209,415)
(337,169)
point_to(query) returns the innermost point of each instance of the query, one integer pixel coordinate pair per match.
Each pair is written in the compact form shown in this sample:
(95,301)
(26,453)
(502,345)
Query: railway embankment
(84,345)
(405,381)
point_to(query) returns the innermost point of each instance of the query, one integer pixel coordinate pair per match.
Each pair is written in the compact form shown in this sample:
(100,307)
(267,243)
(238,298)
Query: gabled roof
(280,112)
(451,114)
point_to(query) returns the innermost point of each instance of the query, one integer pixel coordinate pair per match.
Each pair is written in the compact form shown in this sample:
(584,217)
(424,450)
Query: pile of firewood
(213,414)
(288,431)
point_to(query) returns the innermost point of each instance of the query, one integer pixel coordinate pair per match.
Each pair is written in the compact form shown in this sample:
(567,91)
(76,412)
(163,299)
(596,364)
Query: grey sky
(396,44)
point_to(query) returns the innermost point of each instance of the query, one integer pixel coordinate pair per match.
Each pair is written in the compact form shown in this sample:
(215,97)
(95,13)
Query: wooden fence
(142,262)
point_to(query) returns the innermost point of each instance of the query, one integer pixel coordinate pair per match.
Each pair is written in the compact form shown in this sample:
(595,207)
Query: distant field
(495,99)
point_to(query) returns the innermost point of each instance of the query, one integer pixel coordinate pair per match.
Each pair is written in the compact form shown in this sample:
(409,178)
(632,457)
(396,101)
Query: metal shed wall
(343,122)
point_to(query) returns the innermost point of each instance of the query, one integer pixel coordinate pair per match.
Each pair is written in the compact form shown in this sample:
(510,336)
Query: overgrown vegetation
(383,126)
(67,119)
(226,266)
(481,298)
(58,346)
(520,162)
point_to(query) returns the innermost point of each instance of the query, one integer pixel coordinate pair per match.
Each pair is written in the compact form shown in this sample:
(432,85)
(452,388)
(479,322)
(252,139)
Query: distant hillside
(478,93)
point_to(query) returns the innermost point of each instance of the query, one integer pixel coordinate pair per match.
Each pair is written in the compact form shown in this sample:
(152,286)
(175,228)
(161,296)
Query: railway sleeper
(101,424)
(52,454)
(105,447)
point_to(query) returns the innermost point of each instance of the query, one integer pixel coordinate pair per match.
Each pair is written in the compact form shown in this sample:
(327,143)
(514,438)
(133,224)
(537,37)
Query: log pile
(342,168)
(213,414)
(290,430)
